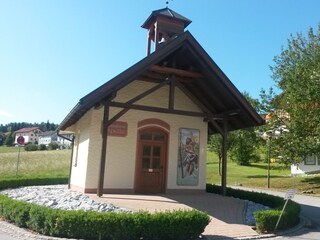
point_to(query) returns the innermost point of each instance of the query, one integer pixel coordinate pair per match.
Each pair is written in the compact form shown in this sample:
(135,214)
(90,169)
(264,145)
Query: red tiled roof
(24,130)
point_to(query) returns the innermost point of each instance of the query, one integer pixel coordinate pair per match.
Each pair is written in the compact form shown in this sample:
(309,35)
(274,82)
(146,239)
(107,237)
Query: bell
(164,37)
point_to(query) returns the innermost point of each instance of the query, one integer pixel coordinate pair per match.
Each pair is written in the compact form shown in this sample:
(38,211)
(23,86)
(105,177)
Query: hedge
(89,225)
(31,147)
(27,181)
(265,220)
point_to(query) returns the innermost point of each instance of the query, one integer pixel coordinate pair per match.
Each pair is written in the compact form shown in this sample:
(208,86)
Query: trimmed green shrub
(262,198)
(42,147)
(53,146)
(176,225)
(31,147)
(15,211)
(22,181)
(265,220)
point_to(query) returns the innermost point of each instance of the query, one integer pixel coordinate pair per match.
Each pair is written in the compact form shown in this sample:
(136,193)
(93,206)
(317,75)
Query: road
(310,210)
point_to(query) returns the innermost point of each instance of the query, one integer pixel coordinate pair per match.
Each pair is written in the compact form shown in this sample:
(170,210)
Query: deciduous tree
(296,71)
(242,144)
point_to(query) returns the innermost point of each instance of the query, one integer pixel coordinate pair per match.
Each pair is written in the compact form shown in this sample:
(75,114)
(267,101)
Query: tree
(297,74)
(3,128)
(9,139)
(245,141)
(242,144)
(48,126)
(215,145)
(2,138)
(53,146)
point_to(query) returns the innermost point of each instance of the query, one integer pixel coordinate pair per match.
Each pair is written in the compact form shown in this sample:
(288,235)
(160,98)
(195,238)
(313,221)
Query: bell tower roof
(168,13)
(163,25)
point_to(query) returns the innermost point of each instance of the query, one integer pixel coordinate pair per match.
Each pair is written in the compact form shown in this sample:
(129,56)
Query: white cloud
(6,114)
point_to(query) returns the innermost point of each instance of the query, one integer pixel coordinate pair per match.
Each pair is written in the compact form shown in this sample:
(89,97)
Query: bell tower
(162,25)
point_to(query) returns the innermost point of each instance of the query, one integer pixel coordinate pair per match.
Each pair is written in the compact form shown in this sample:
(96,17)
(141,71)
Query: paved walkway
(227,214)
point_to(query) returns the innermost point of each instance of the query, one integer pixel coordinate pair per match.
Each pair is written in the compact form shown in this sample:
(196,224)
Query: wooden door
(151,161)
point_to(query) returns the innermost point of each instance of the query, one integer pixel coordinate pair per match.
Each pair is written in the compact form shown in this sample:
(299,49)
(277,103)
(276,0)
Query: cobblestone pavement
(11,232)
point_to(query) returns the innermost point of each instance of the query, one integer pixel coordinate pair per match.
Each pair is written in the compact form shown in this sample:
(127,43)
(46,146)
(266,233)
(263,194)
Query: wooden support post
(71,159)
(103,148)
(224,158)
(148,43)
(156,36)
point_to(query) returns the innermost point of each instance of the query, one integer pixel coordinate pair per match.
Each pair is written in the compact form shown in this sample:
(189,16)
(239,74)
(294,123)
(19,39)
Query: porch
(227,214)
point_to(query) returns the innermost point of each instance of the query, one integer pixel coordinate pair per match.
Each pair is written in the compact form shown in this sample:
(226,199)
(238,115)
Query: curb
(303,222)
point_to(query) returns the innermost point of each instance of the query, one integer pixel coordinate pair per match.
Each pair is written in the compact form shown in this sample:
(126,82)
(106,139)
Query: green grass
(34,164)
(255,176)
(4,149)
(56,164)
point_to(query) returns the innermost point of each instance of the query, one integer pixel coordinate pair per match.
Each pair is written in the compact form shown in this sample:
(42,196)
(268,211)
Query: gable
(159,98)
(181,62)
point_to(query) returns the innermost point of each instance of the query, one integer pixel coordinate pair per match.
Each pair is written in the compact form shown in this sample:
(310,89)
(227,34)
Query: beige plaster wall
(80,151)
(159,98)
(121,151)
(95,146)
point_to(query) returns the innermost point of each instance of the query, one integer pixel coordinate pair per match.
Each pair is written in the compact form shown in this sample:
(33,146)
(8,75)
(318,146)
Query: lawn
(4,149)
(255,176)
(56,164)
(36,164)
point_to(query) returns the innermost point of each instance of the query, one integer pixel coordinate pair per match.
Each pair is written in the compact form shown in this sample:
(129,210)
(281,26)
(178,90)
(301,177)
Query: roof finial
(167,2)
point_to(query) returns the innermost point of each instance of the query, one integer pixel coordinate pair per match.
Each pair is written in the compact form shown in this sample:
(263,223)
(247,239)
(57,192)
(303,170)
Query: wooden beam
(148,43)
(151,78)
(71,160)
(224,158)
(201,106)
(204,87)
(149,91)
(140,96)
(157,109)
(103,148)
(156,36)
(176,71)
(228,114)
(156,77)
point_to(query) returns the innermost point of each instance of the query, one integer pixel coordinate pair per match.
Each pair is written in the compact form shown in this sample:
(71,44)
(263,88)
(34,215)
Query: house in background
(311,165)
(31,135)
(146,130)
(48,137)
(64,139)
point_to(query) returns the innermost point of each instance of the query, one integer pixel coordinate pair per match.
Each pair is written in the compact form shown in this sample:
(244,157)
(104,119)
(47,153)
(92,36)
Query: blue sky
(52,53)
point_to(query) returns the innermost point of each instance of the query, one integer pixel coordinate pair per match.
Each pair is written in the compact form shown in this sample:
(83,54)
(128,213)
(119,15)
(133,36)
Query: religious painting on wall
(188,157)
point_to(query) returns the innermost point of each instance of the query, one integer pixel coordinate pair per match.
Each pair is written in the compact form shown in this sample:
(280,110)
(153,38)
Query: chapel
(146,129)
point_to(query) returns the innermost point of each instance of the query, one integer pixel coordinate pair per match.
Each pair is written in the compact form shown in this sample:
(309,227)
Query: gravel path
(60,197)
